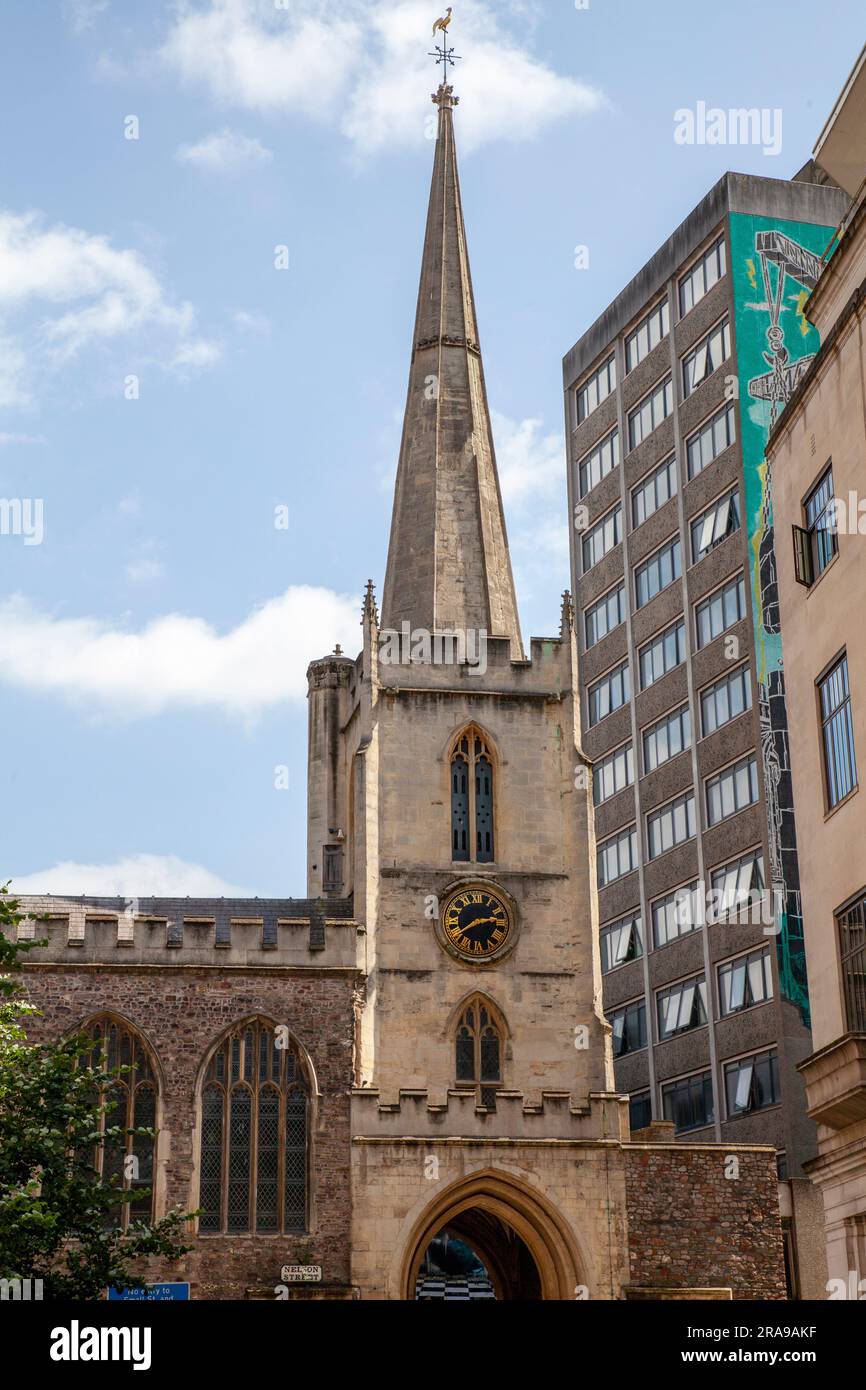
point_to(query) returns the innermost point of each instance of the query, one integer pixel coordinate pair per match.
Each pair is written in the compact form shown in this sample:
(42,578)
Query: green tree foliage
(58,1219)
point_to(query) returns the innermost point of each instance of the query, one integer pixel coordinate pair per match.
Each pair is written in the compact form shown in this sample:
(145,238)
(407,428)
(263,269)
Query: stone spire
(448,561)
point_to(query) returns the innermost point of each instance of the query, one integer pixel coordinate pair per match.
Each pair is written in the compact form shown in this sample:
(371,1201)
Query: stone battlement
(225,932)
(551,1116)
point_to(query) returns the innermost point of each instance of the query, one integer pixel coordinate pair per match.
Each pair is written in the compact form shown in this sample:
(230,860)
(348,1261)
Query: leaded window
(478,1050)
(126,1103)
(840,762)
(818,543)
(472,812)
(255,1135)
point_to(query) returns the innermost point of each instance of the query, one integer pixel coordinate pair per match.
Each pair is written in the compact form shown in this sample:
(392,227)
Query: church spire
(448,563)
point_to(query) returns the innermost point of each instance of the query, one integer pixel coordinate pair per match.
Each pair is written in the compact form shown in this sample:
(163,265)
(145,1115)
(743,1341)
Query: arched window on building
(127,1102)
(255,1111)
(479,1047)
(472,829)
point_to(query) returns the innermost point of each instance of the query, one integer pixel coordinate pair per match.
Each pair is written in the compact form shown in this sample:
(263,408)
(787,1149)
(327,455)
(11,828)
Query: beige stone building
(817,458)
(440,1112)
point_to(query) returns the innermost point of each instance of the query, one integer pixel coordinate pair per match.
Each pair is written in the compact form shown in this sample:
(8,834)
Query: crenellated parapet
(225,933)
(553,1116)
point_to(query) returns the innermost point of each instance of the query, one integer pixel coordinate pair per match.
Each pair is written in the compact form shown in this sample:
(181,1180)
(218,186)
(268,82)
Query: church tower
(450,799)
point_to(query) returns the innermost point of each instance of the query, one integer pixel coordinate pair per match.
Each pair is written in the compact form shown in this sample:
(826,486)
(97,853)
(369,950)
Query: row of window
(672,735)
(714,615)
(727,793)
(703,447)
(743,983)
(751,1084)
(654,328)
(256,1095)
(254,1147)
(708,529)
(816,546)
(737,888)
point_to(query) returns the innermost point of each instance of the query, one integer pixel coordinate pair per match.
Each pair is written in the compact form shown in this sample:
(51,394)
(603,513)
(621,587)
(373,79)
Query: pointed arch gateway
(526,1246)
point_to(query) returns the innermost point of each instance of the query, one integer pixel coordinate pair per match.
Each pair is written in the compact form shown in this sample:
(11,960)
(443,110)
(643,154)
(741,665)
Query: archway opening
(477,1256)
(526,1249)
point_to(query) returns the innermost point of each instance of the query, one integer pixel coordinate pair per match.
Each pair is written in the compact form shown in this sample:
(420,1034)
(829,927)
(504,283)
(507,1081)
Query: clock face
(478,923)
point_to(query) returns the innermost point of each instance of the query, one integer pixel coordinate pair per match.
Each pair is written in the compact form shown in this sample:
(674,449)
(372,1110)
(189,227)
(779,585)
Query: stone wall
(691,1226)
(182,1012)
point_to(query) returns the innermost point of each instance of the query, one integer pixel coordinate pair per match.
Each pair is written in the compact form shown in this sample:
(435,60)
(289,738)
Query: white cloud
(196,354)
(249,322)
(531,464)
(177,662)
(146,567)
(136,875)
(312,58)
(63,289)
(532,474)
(83,14)
(21,439)
(224,152)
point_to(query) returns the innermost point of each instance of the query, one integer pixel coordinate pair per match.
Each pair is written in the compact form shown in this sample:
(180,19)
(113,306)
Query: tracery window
(255,1109)
(479,1046)
(472,831)
(127,1102)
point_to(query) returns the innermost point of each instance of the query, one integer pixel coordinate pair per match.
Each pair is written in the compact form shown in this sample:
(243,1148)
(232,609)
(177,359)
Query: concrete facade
(774,1026)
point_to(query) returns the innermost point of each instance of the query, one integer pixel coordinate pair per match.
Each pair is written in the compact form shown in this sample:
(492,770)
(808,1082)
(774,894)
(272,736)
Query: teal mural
(775,265)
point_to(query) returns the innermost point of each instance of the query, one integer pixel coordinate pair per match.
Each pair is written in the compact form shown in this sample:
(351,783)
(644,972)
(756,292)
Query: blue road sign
(152,1293)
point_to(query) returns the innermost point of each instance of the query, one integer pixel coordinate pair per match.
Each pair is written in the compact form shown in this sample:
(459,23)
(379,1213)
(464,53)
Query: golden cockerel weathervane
(444,55)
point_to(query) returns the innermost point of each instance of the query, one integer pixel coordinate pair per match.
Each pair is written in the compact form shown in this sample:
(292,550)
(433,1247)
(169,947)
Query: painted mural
(775,265)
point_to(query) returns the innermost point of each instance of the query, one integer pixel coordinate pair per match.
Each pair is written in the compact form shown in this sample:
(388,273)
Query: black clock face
(477,922)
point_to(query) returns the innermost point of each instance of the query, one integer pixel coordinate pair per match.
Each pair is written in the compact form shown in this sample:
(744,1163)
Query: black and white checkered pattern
(453,1290)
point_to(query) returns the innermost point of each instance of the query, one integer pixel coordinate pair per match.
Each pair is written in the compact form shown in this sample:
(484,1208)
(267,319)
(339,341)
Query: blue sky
(164,387)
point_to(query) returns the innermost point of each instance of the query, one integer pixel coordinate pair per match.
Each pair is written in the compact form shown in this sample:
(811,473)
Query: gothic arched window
(472,833)
(479,1045)
(127,1102)
(254,1135)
